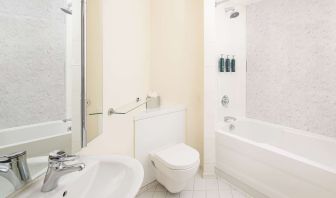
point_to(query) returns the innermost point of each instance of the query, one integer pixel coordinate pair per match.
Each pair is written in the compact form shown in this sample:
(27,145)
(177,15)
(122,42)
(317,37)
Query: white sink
(103,176)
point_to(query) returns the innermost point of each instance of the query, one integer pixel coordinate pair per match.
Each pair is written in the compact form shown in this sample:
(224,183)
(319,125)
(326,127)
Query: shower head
(67,11)
(234,14)
(232,11)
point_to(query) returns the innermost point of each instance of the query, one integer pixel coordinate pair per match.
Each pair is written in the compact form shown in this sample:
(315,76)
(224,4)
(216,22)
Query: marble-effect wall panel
(32,62)
(291,57)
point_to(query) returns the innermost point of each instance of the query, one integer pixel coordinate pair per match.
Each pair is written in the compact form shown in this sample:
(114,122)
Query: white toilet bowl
(175,166)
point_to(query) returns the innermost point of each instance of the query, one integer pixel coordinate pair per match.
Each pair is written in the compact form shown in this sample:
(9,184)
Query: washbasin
(103,176)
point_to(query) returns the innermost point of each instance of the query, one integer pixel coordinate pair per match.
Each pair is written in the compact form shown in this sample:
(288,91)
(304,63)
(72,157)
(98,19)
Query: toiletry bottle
(221,64)
(233,64)
(227,64)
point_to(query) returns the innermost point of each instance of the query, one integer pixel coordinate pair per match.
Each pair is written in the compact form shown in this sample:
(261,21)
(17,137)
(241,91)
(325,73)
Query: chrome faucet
(230,120)
(14,168)
(57,167)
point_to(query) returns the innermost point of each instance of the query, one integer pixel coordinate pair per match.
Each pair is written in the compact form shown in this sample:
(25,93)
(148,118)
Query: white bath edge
(239,184)
(271,159)
(38,139)
(292,130)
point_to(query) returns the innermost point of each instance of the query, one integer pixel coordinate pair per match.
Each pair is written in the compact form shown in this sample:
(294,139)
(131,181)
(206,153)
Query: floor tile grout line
(230,188)
(218,187)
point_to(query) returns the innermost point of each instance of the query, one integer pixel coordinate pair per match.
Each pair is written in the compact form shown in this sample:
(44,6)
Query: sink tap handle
(229,119)
(16,155)
(15,168)
(61,156)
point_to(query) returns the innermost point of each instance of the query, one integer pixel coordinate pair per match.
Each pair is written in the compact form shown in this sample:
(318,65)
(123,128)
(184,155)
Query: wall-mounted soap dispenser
(221,64)
(227,64)
(233,64)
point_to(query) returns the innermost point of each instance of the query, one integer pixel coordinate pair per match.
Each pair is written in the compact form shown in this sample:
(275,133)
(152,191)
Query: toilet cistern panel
(157,129)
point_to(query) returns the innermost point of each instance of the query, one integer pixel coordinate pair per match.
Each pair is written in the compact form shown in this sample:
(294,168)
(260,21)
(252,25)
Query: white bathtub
(277,161)
(37,139)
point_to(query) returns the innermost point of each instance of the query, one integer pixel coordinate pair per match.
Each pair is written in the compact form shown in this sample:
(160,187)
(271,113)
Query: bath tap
(57,168)
(14,168)
(229,119)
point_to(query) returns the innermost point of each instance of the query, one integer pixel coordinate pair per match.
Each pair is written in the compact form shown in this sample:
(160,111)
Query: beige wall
(177,59)
(150,45)
(126,61)
(94,67)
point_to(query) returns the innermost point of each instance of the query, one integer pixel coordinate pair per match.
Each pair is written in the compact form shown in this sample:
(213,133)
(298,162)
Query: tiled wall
(32,58)
(291,58)
(209,86)
(222,35)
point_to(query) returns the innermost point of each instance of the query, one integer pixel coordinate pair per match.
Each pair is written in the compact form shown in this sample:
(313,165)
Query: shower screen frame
(83,75)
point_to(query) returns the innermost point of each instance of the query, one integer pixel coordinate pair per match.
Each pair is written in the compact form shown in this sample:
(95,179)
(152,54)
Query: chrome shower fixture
(233,11)
(217,3)
(67,10)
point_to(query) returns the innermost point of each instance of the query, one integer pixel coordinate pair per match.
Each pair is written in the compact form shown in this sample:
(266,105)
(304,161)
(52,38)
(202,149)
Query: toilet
(174,166)
(159,146)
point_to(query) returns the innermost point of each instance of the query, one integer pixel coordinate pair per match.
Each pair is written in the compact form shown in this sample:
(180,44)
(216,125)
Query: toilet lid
(178,157)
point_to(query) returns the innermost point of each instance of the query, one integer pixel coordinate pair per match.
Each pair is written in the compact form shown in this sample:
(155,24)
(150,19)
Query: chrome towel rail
(98,113)
(137,103)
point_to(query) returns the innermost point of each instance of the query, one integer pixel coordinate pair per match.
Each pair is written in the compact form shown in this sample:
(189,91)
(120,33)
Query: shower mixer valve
(225,101)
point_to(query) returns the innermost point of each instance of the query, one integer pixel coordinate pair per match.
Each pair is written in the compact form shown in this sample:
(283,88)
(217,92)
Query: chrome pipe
(83,75)
(217,3)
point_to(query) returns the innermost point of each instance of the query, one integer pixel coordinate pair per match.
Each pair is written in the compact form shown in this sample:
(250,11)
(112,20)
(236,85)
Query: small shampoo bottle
(233,65)
(227,64)
(221,64)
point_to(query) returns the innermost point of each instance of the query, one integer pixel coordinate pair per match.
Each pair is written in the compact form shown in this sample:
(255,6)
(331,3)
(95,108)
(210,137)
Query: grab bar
(112,111)
(98,113)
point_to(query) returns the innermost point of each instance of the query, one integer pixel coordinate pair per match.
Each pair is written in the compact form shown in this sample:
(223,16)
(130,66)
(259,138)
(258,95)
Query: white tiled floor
(198,188)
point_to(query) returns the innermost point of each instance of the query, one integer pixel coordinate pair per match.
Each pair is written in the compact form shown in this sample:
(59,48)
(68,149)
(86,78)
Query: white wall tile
(222,36)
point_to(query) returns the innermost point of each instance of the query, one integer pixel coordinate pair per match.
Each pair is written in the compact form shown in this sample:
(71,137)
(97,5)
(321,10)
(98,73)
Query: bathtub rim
(220,124)
(35,140)
(221,129)
(27,141)
(292,156)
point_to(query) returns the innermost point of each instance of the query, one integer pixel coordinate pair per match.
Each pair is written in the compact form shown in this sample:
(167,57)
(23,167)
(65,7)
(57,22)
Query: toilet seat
(177,157)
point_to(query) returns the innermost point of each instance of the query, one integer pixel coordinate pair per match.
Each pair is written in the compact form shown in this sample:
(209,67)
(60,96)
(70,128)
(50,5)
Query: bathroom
(168,98)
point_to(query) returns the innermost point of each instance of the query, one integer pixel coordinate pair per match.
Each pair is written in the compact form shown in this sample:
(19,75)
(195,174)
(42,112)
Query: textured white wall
(32,58)
(291,58)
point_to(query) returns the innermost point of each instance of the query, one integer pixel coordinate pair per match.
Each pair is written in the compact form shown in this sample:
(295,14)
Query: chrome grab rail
(138,103)
(97,113)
